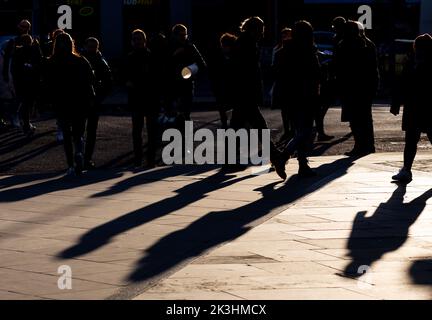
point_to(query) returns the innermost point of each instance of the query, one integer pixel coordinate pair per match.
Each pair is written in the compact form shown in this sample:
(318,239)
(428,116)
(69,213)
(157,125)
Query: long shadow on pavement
(208,231)
(14,161)
(185,196)
(391,235)
(219,227)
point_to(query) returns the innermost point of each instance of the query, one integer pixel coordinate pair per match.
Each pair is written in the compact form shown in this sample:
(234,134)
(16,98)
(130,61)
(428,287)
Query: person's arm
(7,59)
(107,78)
(198,58)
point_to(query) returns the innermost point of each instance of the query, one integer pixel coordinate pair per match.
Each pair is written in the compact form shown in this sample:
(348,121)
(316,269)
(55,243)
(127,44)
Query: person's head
(26,40)
(286,34)
(92,45)
(64,45)
(179,33)
(139,39)
(253,26)
(302,33)
(338,25)
(24,27)
(423,47)
(227,41)
(55,33)
(352,31)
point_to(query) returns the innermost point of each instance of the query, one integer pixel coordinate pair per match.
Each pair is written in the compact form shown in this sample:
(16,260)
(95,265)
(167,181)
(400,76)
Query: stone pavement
(195,232)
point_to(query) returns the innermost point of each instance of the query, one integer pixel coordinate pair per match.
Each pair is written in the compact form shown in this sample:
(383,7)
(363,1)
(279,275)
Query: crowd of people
(159,75)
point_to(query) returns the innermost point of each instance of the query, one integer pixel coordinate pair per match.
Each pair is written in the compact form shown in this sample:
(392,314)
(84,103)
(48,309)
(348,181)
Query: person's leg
(223,116)
(25,110)
(368,134)
(256,120)
(152,137)
(65,125)
(78,129)
(137,127)
(412,138)
(92,126)
(185,104)
(288,131)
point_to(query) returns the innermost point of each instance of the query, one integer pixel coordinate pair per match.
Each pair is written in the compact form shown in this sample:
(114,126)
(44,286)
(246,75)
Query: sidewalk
(193,232)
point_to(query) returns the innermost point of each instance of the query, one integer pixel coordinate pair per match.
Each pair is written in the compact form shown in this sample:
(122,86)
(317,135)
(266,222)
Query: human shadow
(365,250)
(23,157)
(421,272)
(21,142)
(9,136)
(321,147)
(152,176)
(60,183)
(16,180)
(103,234)
(217,227)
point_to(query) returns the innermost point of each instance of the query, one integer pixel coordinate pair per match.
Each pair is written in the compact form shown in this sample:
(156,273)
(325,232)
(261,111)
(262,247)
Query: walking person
(26,74)
(103,86)
(23,28)
(277,92)
(413,92)
(300,80)
(70,80)
(357,77)
(248,96)
(143,97)
(182,54)
(220,70)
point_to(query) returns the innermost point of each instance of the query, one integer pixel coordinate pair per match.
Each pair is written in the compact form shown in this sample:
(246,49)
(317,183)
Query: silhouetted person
(70,80)
(26,74)
(357,77)
(182,53)
(142,91)
(285,36)
(248,96)
(158,46)
(338,26)
(221,74)
(48,46)
(299,70)
(413,92)
(103,87)
(277,92)
(24,27)
(47,52)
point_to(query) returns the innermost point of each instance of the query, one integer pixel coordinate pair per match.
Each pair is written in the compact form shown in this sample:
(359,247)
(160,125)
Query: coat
(297,79)
(181,56)
(140,74)
(70,81)
(247,73)
(26,71)
(356,74)
(413,91)
(103,75)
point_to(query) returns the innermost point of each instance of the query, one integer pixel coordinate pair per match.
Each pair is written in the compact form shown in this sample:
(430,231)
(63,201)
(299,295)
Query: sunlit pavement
(195,232)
